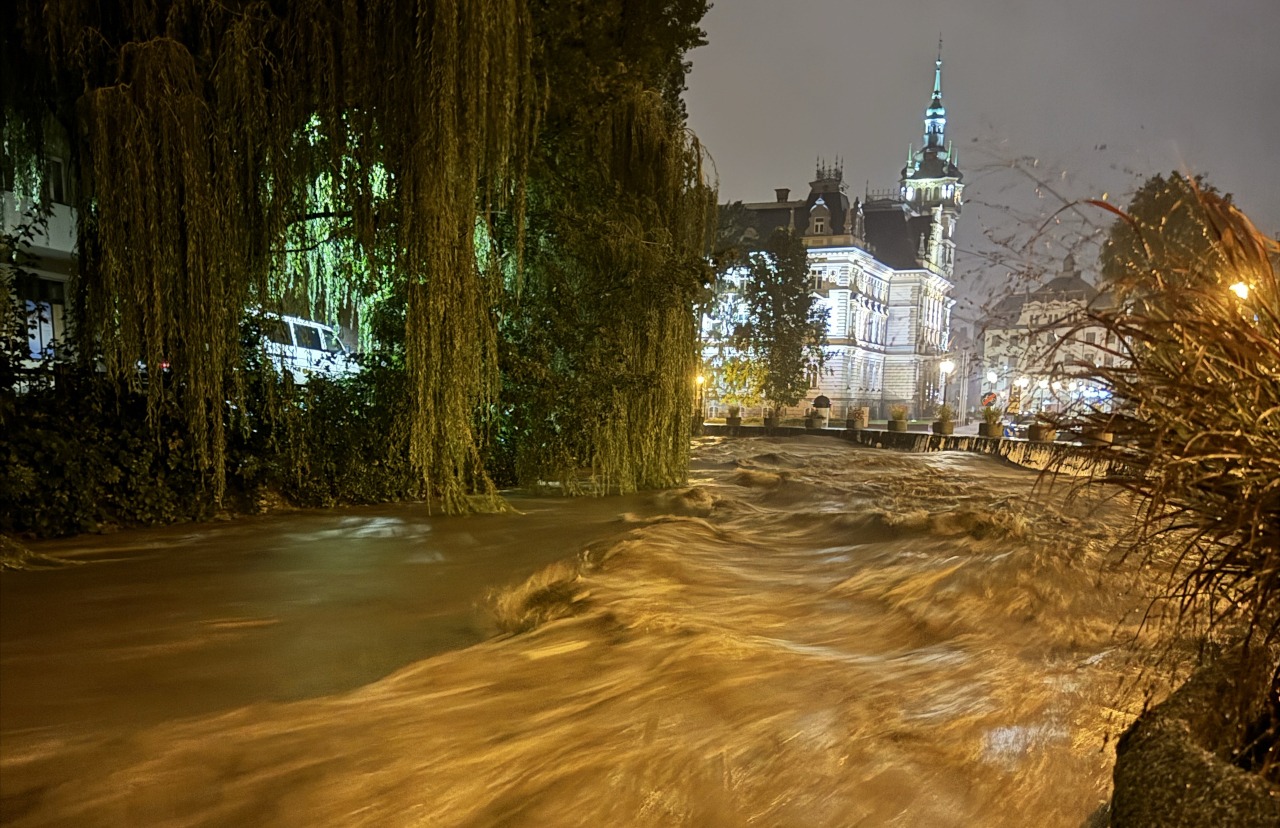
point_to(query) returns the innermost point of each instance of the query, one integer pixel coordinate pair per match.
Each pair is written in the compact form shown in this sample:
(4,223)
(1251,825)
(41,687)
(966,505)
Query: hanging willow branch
(161,288)
(601,349)
(206,128)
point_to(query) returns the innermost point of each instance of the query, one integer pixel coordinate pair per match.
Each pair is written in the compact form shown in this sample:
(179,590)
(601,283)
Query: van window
(307,336)
(275,330)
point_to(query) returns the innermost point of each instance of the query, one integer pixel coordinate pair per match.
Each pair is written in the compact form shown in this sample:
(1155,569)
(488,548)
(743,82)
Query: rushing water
(809,634)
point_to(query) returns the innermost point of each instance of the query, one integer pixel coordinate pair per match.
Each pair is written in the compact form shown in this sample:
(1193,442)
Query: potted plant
(1098,433)
(734,417)
(898,418)
(812,419)
(856,419)
(990,425)
(946,422)
(1042,430)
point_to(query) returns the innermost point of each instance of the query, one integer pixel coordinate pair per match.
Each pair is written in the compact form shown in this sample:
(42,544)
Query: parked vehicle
(306,348)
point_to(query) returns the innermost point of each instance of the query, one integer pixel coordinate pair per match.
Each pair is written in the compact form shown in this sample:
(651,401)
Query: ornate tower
(931,183)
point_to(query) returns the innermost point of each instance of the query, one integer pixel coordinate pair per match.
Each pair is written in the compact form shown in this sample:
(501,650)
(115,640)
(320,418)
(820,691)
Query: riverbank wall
(1073,459)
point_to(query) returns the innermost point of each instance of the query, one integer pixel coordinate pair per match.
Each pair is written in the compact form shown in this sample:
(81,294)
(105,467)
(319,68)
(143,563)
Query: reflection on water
(810,634)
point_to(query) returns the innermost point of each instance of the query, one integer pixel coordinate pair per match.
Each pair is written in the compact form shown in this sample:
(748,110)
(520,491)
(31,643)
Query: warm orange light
(1240,289)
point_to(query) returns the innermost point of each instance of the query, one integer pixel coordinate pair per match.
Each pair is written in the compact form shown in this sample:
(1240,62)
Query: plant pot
(856,424)
(1041,433)
(897,425)
(813,422)
(733,421)
(944,427)
(990,430)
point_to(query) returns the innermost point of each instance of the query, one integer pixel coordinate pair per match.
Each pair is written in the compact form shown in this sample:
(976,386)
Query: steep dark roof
(1065,286)
(829,189)
(893,234)
(1068,285)
(760,219)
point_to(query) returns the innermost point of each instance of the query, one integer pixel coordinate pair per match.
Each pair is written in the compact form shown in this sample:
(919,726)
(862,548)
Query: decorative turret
(935,117)
(931,183)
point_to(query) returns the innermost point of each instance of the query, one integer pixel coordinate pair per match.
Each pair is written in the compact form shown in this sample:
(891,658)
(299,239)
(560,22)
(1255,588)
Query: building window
(819,225)
(55,184)
(43,301)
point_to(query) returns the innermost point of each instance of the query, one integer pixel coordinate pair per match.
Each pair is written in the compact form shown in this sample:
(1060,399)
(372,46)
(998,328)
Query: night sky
(1101,92)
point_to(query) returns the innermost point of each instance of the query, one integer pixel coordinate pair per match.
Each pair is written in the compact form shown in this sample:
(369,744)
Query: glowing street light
(1240,289)
(946,367)
(1023,382)
(992,376)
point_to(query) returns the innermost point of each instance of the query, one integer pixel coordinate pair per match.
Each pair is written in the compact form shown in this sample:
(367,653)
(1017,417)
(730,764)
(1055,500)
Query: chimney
(782,193)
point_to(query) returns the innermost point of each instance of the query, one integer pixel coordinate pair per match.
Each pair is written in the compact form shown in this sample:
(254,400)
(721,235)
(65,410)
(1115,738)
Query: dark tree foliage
(323,154)
(1167,237)
(786,327)
(597,327)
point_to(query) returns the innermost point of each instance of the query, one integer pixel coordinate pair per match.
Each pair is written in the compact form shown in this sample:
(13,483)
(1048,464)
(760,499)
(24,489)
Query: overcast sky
(1192,85)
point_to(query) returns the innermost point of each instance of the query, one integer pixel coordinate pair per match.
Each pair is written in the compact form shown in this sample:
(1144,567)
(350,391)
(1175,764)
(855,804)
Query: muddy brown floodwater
(809,634)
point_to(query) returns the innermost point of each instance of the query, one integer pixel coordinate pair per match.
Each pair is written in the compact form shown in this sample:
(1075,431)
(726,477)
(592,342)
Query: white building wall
(885,329)
(1045,353)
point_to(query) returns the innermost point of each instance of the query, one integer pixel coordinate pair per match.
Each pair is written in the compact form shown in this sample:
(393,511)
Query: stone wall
(1064,458)
(1170,771)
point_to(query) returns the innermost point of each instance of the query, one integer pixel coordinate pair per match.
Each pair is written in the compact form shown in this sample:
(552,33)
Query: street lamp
(702,415)
(946,367)
(992,376)
(1240,289)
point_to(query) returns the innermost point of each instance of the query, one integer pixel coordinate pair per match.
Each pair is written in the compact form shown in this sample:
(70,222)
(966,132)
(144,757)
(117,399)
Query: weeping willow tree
(598,333)
(210,137)
(653,258)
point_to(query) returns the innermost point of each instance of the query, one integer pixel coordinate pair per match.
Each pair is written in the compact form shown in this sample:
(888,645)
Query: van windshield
(331,342)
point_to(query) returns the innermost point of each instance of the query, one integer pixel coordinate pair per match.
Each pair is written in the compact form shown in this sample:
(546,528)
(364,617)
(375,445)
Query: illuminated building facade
(884,267)
(1039,347)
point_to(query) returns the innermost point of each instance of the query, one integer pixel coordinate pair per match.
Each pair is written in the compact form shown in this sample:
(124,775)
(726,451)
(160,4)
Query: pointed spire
(935,116)
(937,71)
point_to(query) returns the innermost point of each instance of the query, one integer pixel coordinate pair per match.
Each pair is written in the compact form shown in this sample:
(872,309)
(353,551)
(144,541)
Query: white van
(305,348)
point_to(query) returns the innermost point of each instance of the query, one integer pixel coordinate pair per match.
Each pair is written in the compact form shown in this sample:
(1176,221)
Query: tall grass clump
(1196,404)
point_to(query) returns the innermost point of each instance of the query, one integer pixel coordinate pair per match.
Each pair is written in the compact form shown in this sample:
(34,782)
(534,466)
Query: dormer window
(818,217)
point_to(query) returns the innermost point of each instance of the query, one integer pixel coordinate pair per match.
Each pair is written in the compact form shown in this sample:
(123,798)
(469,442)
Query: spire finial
(937,70)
